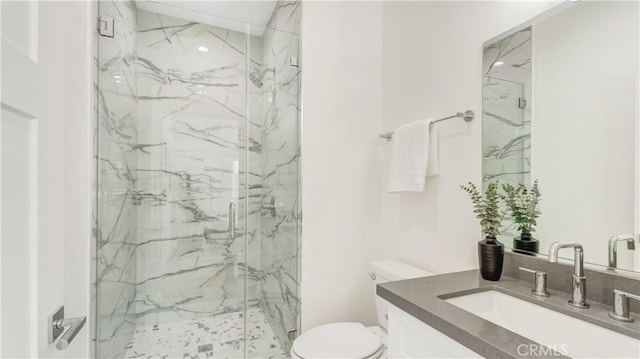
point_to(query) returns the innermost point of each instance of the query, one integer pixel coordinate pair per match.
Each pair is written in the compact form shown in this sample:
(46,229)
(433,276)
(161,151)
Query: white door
(44,173)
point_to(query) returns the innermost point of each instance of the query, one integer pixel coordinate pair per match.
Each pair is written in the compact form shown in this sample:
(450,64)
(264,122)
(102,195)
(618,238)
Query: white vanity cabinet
(411,338)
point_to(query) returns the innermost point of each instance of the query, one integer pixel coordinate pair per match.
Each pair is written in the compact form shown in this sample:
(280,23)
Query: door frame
(80,194)
(86,146)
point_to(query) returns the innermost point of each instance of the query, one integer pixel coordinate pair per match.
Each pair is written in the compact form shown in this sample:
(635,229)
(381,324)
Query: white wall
(367,68)
(432,67)
(341,86)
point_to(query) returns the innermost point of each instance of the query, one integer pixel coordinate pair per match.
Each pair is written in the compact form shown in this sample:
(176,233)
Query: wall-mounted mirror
(560,106)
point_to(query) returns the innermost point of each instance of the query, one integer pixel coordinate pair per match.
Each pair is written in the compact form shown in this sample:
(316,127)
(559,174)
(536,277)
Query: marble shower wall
(172,139)
(506,133)
(191,114)
(277,273)
(117,179)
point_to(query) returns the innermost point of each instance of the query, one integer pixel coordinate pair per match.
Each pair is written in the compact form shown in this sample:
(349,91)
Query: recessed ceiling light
(117,77)
(498,63)
(203,49)
(200,90)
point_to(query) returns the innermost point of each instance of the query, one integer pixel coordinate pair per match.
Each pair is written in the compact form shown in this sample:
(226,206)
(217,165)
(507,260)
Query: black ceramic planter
(526,244)
(490,256)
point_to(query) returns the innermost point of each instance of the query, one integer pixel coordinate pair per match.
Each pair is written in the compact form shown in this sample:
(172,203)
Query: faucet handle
(540,285)
(621,306)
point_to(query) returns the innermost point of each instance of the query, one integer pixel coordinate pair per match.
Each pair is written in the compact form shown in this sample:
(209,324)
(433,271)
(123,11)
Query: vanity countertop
(423,299)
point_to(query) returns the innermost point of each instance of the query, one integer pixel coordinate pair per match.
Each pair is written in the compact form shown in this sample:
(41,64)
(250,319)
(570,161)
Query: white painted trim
(636,264)
(35,21)
(94,12)
(637,182)
(0,208)
(1,98)
(79,172)
(33,240)
(91,173)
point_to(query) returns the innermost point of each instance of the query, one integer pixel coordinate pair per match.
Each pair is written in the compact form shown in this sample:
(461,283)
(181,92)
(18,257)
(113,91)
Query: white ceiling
(228,14)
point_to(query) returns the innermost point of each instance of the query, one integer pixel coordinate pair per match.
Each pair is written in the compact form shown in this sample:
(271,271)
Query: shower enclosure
(506,117)
(197,186)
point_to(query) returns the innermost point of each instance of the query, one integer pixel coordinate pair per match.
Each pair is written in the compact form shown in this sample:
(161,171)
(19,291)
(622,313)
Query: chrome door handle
(74,324)
(57,323)
(232,220)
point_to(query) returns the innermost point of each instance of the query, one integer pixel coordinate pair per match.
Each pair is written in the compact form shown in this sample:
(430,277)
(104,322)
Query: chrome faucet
(613,247)
(621,306)
(579,282)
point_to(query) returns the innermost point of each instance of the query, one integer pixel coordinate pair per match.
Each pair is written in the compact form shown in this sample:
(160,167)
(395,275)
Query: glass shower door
(504,122)
(274,212)
(170,277)
(116,185)
(197,207)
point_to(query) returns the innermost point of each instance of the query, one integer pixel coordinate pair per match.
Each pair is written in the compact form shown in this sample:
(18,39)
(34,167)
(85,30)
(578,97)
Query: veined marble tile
(175,78)
(173,127)
(286,17)
(115,234)
(506,135)
(191,106)
(277,273)
(219,336)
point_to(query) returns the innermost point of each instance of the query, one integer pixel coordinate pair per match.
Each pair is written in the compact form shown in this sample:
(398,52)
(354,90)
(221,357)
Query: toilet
(354,340)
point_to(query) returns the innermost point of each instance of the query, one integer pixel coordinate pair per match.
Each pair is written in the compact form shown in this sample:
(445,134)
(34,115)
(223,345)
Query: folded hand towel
(433,164)
(412,153)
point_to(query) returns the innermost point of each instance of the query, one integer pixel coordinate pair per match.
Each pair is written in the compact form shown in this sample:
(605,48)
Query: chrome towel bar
(467,116)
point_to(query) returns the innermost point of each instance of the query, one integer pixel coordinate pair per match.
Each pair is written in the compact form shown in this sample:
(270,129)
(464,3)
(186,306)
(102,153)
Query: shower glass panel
(197,206)
(274,217)
(506,116)
(504,123)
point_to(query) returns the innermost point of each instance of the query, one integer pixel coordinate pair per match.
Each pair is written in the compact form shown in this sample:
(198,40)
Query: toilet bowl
(354,340)
(338,340)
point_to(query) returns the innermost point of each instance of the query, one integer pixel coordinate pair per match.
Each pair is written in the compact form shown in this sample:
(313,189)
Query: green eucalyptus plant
(522,203)
(486,207)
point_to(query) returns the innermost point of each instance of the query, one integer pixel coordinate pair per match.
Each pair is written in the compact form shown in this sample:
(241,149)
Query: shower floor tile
(219,336)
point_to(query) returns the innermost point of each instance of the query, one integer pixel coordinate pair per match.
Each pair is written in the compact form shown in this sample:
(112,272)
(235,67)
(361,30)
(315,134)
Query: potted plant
(522,203)
(487,210)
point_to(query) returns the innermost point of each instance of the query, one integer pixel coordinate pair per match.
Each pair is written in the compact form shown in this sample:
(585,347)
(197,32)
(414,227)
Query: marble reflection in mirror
(560,99)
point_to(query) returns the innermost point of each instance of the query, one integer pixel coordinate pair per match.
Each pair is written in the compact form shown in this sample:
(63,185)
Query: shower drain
(205,348)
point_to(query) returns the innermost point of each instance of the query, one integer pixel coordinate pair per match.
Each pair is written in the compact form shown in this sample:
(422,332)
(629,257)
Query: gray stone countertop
(424,299)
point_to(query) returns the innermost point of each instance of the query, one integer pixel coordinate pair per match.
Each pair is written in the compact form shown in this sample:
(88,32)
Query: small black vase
(526,244)
(490,256)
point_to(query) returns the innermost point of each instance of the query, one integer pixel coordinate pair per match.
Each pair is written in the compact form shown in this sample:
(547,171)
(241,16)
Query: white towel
(414,156)
(433,164)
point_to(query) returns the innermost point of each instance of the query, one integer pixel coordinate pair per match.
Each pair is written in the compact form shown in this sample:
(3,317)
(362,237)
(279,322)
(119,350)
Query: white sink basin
(566,335)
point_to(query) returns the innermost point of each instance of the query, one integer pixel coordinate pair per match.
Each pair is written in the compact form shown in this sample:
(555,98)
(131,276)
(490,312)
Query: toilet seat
(338,340)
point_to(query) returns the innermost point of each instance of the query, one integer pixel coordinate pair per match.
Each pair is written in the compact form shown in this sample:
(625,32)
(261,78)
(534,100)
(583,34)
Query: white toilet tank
(387,270)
